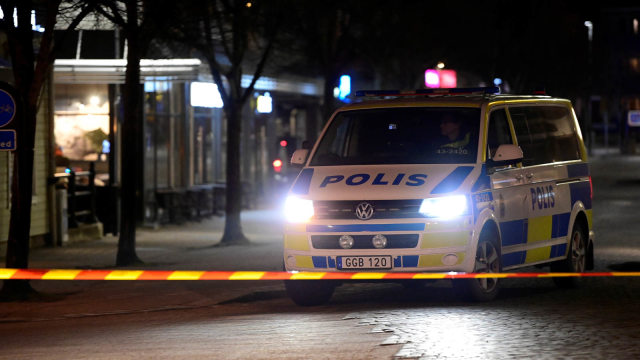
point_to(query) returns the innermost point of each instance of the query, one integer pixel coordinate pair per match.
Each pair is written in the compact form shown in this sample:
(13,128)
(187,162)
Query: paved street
(255,320)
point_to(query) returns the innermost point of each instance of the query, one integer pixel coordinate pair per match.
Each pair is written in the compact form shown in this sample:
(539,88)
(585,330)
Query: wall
(40,222)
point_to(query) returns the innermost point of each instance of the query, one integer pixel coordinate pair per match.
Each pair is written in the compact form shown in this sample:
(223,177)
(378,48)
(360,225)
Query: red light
(283,143)
(448,78)
(277,165)
(590,188)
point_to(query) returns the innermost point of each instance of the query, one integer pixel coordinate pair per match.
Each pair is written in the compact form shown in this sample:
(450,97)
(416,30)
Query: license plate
(363,262)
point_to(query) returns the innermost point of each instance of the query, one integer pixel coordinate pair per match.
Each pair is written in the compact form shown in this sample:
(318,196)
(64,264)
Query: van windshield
(411,135)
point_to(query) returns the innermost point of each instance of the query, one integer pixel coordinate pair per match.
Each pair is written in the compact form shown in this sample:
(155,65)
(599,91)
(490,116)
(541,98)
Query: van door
(508,191)
(548,140)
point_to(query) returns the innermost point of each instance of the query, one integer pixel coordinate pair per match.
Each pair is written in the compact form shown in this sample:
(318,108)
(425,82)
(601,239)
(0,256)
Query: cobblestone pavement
(534,322)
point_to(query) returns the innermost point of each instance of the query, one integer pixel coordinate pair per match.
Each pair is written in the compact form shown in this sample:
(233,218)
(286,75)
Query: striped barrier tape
(69,274)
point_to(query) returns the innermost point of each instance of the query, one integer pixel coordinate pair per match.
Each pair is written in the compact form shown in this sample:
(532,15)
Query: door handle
(529,176)
(519,177)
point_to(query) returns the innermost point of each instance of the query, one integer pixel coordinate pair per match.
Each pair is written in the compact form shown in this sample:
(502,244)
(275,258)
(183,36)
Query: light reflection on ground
(500,333)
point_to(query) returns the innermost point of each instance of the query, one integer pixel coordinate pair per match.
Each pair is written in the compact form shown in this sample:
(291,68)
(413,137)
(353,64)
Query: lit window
(265,103)
(205,95)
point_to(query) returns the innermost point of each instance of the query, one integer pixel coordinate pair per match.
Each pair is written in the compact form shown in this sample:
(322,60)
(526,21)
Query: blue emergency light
(436,91)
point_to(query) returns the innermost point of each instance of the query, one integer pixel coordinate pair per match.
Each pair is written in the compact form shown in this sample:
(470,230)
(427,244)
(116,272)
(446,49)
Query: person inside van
(454,140)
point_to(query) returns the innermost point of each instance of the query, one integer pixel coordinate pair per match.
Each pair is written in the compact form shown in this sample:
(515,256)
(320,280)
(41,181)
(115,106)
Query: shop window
(81,124)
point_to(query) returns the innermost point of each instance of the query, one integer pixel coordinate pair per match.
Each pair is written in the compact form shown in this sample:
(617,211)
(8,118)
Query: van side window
(565,145)
(545,134)
(499,132)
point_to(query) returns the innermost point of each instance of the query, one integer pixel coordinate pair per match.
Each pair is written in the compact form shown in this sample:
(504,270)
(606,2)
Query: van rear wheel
(487,261)
(576,260)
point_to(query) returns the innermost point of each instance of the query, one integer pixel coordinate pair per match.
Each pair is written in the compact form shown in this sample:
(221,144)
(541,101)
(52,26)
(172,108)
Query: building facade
(184,132)
(42,215)
(184,140)
(614,57)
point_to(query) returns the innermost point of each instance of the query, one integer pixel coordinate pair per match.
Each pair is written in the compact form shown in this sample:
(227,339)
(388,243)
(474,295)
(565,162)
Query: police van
(454,180)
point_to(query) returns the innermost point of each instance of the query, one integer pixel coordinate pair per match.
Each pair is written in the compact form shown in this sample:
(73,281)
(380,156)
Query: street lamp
(589,26)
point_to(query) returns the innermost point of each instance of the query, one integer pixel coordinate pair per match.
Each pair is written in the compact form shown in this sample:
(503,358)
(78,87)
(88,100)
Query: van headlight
(445,207)
(298,210)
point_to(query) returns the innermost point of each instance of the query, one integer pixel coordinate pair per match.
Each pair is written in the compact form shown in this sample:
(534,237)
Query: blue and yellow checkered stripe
(545,228)
(531,231)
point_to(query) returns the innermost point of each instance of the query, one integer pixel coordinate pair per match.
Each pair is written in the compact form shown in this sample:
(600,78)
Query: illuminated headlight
(298,210)
(444,207)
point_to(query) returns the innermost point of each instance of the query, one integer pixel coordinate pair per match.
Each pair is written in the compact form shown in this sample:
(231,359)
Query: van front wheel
(309,292)
(487,261)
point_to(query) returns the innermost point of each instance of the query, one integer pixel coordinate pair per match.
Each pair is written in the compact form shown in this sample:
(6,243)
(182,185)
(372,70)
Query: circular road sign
(7,108)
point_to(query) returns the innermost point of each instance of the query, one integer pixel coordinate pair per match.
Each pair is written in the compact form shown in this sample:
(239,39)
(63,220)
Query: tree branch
(218,16)
(258,73)
(72,26)
(210,53)
(45,56)
(114,16)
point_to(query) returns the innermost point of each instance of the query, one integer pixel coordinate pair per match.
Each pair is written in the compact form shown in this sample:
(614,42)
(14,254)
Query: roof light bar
(450,91)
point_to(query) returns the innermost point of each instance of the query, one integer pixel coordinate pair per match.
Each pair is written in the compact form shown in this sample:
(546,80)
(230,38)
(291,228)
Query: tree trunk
(329,101)
(20,223)
(22,191)
(131,152)
(27,95)
(233,228)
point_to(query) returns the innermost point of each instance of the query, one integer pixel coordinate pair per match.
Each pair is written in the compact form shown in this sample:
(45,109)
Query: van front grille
(394,241)
(383,209)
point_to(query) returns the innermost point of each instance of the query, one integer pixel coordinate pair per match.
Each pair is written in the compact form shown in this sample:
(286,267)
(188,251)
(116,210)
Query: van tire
(309,292)
(487,260)
(576,260)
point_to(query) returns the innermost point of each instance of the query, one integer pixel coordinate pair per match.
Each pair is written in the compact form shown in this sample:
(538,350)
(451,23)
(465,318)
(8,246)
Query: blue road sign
(7,108)
(633,118)
(7,140)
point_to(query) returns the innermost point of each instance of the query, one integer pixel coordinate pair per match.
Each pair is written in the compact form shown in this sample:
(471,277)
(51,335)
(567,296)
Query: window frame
(512,134)
(570,115)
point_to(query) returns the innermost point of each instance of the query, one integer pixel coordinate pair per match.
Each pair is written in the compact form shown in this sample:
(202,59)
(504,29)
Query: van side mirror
(506,154)
(299,157)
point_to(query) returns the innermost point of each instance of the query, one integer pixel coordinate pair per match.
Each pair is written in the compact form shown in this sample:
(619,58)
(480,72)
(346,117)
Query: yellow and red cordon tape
(71,274)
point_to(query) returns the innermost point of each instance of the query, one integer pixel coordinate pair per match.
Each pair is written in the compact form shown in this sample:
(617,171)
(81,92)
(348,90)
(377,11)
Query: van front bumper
(442,246)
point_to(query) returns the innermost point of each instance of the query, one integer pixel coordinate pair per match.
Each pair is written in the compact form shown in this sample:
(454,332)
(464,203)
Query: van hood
(388,182)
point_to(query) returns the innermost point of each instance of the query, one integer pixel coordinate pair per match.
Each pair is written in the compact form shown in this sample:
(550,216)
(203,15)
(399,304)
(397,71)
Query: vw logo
(364,211)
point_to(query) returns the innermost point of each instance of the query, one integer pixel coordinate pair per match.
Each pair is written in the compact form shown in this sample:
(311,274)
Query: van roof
(443,100)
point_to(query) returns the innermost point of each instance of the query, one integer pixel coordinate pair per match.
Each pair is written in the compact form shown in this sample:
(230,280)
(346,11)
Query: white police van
(463,180)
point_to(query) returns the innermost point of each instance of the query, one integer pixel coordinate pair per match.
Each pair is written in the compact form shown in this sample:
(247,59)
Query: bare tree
(129,15)
(231,35)
(323,31)
(30,71)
